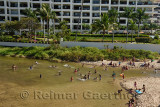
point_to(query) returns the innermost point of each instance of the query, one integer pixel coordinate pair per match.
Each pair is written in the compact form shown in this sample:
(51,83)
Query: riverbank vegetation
(75,54)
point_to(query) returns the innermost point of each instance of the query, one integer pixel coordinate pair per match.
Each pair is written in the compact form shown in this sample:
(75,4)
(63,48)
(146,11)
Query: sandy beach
(137,64)
(151,98)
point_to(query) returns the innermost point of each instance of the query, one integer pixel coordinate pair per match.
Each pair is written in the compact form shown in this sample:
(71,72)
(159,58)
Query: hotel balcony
(85,21)
(77,1)
(1,3)
(86,15)
(105,2)
(57,0)
(2,11)
(66,0)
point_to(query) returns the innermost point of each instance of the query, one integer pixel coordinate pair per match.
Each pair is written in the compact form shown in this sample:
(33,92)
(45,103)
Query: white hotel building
(70,9)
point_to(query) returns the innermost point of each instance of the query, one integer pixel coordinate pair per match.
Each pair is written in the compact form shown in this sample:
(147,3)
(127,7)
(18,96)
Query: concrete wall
(151,47)
(22,44)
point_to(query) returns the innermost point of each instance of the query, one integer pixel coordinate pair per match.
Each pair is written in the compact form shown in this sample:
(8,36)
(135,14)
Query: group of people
(132,63)
(86,76)
(131,102)
(143,88)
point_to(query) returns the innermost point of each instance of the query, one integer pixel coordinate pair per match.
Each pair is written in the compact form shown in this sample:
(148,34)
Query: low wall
(15,44)
(150,47)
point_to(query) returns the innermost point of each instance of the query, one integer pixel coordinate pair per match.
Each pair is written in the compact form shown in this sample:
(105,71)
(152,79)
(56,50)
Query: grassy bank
(75,53)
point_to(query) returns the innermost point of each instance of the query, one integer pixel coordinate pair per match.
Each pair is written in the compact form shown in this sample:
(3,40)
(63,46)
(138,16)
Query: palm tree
(101,24)
(86,26)
(42,15)
(45,14)
(128,13)
(30,13)
(113,15)
(133,27)
(152,26)
(145,25)
(47,10)
(53,17)
(140,16)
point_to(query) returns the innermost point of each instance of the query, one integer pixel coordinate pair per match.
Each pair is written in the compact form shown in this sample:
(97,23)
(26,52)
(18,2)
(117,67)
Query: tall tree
(42,15)
(113,15)
(47,10)
(128,13)
(31,24)
(86,26)
(30,13)
(11,26)
(133,27)
(65,32)
(153,26)
(140,16)
(145,25)
(53,17)
(101,24)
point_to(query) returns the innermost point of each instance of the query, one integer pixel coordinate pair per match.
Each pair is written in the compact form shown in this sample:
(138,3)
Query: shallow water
(13,82)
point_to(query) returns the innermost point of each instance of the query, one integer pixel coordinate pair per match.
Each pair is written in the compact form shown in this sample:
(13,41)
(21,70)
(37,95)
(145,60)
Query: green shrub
(156,37)
(76,54)
(143,39)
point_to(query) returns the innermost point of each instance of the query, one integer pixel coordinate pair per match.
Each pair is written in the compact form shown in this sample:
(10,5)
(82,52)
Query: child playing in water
(114,76)
(71,78)
(100,77)
(14,67)
(36,62)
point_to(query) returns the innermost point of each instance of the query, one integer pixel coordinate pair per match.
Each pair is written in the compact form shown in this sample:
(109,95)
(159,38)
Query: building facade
(70,10)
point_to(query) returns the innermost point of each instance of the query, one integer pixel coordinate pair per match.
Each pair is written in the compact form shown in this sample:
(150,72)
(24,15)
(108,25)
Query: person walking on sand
(144,89)
(135,84)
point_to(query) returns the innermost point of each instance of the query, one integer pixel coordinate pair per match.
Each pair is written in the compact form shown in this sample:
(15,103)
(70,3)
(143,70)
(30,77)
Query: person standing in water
(100,77)
(14,67)
(36,62)
(155,71)
(123,76)
(71,78)
(114,76)
(40,76)
(95,71)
